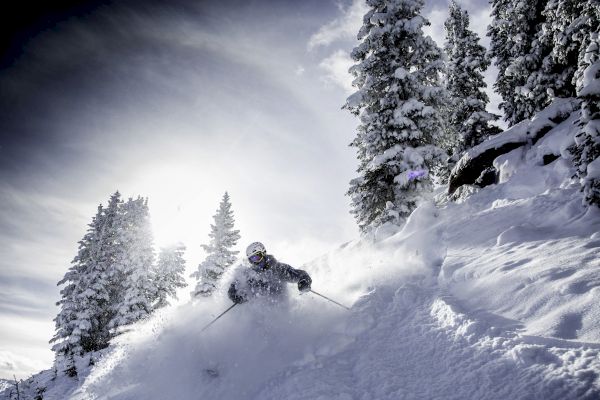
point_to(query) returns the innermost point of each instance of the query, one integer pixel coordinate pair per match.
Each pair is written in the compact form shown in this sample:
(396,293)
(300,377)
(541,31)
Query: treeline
(116,279)
(421,108)
(547,49)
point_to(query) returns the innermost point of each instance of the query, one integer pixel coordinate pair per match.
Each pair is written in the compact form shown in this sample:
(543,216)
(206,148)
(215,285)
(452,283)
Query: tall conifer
(514,31)
(168,274)
(220,253)
(467,61)
(587,148)
(397,74)
(131,271)
(108,284)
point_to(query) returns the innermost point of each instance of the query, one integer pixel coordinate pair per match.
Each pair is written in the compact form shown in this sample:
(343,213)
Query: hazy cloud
(345,26)
(436,17)
(19,365)
(336,67)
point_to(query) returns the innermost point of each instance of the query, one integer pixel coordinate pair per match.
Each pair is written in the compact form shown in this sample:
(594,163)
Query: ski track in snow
(418,347)
(437,353)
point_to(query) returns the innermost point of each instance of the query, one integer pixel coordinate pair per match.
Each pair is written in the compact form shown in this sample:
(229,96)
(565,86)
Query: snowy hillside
(495,296)
(4,384)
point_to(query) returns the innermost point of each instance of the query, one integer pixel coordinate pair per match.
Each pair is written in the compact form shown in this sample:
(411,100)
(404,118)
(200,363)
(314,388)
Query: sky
(179,102)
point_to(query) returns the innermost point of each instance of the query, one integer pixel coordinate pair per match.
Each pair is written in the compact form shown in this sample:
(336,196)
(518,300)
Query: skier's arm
(236,295)
(296,276)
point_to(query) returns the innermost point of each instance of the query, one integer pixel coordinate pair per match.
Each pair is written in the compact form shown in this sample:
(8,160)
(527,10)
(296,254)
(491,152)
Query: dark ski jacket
(266,279)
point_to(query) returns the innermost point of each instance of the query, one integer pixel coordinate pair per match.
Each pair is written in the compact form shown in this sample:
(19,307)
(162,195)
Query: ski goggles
(256,258)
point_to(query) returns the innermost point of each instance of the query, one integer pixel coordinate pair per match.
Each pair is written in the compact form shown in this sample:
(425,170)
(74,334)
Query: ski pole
(220,315)
(327,298)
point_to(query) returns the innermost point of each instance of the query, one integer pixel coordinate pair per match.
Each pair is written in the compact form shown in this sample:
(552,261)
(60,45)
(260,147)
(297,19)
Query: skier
(265,277)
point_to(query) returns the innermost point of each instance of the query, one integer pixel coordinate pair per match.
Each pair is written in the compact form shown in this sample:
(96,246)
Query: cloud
(21,366)
(345,26)
(340,30)
(437,16)
(480,18)
(336,67)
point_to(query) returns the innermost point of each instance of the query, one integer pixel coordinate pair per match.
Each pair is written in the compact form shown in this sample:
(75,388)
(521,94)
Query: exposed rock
(548,158)
(469,169)
(489,176)
(475,161)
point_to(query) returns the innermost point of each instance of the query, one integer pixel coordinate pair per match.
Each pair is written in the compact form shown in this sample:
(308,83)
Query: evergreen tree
(544,65)
(82,323)
(130,273)
(70,366)
(552,60)
(584,27)
(587,148)
(562,31)
(108,284)
(515,27)
(72,322)
(397,74)
(168,274)
(220,255)
(573,26)
(468,119)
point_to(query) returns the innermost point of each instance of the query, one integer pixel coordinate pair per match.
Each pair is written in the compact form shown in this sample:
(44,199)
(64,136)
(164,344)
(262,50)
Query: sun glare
(176,205)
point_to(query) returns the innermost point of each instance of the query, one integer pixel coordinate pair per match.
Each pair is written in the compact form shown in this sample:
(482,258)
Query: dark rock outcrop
(469,169)
(489,176)
(480,158)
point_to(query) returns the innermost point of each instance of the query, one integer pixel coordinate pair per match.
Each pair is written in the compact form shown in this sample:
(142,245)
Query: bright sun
(177,206)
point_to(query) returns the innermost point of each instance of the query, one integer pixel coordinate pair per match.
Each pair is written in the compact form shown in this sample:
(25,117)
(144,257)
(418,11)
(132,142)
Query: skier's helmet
(256,252)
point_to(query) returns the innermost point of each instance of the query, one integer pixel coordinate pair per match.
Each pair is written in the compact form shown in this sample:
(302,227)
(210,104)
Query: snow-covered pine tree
(566,30)
(515,26)
(108,284)
(86,309)
(70,366)
(220,255)
(552,60)
(397,74)
(131,272)
(469,122)
(75,323)
(583,28)
(168,274)
(587,148)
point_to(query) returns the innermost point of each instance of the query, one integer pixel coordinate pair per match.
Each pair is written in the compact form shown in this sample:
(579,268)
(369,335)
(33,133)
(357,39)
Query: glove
(234,296)
(237,299)
(304,285)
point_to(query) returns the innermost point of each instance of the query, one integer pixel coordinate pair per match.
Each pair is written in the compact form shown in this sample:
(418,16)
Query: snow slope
(493,297)
(5,384)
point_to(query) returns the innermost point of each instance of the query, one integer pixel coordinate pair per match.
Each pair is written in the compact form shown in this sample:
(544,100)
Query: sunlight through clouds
(344,27)
(337,66)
